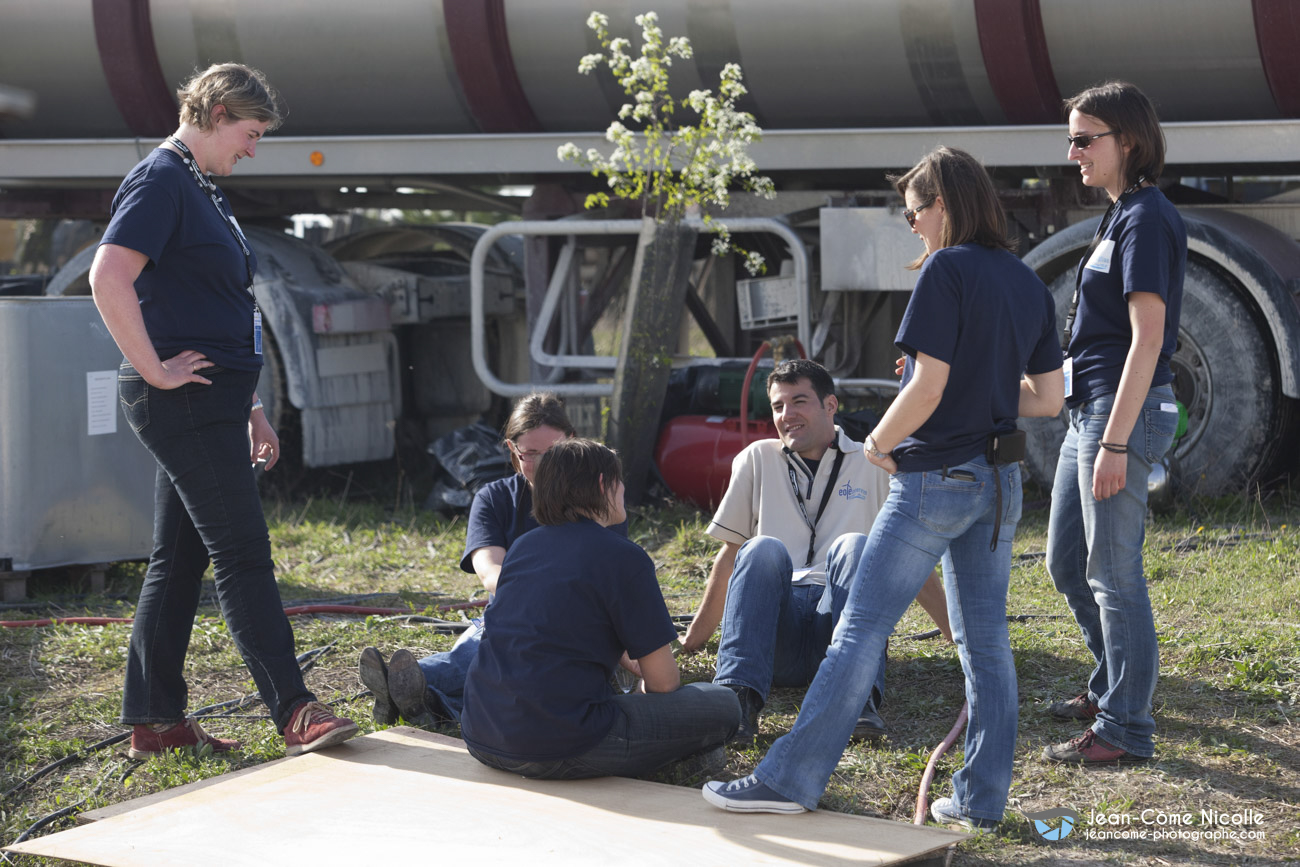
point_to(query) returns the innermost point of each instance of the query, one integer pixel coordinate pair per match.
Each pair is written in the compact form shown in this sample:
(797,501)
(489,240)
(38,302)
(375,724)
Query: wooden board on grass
(407,796)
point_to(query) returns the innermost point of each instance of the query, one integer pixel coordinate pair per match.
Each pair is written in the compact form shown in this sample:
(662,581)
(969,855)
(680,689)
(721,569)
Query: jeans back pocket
(133,394)
(1160,425)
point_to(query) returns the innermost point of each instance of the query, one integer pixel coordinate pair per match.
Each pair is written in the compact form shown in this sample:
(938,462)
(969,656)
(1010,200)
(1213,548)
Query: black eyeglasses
(1084,141)
(910,213)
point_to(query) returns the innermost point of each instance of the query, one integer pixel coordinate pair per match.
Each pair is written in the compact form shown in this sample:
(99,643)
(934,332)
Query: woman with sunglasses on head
(979,340)
(431,689)
(1120,334)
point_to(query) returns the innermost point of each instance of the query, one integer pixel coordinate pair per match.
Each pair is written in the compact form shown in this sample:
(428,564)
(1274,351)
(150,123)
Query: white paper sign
(101,402)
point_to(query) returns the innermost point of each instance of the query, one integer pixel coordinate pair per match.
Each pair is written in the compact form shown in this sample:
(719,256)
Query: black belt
(999,450)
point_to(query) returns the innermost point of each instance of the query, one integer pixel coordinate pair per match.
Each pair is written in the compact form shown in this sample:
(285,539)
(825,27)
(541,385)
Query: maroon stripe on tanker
(1277,30)
(124,36)
(1019,67)
(480,48)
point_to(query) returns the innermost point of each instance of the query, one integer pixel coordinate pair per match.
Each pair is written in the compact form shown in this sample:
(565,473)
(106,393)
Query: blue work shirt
(988,316)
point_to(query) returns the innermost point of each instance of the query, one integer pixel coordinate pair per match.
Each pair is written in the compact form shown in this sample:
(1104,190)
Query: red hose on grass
(922,794)
(290,612)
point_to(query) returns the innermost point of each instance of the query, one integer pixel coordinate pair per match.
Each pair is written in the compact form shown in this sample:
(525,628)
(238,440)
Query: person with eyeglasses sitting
(792,524)
(428,691)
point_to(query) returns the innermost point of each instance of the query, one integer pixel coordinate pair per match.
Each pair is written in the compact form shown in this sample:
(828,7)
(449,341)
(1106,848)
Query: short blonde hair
(244,92)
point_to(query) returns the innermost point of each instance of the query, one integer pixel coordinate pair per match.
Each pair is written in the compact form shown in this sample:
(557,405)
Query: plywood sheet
(407,796)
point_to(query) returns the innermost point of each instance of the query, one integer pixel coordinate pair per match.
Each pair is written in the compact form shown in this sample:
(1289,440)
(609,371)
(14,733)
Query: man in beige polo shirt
(792,524)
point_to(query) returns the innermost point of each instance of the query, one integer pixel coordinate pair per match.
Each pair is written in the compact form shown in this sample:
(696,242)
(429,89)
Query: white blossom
(597,21)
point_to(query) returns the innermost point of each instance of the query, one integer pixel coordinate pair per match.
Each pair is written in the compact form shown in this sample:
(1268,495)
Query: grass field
(1225,584)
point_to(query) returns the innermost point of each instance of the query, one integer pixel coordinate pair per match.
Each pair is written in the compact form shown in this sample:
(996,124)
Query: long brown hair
(972,212)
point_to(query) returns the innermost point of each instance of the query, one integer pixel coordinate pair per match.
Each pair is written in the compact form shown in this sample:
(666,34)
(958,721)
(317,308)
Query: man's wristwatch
(870,446)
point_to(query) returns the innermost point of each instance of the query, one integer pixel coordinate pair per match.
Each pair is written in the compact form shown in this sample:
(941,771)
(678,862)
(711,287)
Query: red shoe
(1088,749)
(146,742)
(313,727)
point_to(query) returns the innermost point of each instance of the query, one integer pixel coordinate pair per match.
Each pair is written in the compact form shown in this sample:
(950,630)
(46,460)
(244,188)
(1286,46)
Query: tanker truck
(415,105)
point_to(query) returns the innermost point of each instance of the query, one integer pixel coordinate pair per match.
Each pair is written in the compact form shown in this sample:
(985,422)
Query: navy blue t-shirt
(1144,249)
(502,511)
(988,316)
(571,599)
(192,291)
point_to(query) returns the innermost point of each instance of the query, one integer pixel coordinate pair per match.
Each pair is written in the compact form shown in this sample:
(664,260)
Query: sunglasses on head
(910,213)
(1084,140)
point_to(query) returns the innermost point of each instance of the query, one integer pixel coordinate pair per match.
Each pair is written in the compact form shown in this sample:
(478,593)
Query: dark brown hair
(244,92)
(539,409)
(1125,109)
(791,371)
(972,212)
(568,483)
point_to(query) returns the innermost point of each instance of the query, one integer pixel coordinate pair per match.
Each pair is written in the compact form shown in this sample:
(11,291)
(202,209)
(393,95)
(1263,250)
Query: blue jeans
(1094,555)
(775,633)
(206,507)
(649,732)
(445,673)
(928,517)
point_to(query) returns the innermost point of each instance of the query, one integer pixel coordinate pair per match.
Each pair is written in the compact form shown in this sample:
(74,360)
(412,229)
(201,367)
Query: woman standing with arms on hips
(173,279)
(977,320)
(1118,340)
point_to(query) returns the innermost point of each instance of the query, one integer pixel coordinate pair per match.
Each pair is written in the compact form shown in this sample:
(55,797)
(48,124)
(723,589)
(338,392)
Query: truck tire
(1226,376)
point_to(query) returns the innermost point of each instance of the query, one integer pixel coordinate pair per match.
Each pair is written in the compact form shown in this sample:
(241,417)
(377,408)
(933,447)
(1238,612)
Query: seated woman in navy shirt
(572,600)
(430,690)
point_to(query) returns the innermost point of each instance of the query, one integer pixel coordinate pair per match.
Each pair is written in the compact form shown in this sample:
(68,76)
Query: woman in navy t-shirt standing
(979,336)
(1119,387)
(173,279)
(574,598)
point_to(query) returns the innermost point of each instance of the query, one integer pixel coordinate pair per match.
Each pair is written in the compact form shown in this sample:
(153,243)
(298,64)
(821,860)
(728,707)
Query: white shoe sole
(337,736)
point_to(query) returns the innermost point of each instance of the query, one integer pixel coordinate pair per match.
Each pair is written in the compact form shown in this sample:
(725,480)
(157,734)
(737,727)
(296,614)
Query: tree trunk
(656,299)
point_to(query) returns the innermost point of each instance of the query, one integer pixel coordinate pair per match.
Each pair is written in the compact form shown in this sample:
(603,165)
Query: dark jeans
(206,505)
(650,731)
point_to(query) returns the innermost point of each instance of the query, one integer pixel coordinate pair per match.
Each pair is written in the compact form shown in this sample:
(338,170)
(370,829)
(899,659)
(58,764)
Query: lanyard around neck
(826,495)
(1068,330)
(210,189)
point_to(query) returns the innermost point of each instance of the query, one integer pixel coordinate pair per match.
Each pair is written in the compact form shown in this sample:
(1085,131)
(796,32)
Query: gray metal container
(71,490)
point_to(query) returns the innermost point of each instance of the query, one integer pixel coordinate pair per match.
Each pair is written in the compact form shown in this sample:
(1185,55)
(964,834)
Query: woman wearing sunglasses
(1120,334)
(980,345)
(431,689)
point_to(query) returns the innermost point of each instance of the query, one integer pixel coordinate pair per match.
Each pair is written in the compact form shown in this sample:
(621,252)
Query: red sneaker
(146,742)
(313,727)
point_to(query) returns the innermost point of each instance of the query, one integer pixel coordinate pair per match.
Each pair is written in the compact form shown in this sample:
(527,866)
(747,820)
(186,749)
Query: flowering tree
(669,166)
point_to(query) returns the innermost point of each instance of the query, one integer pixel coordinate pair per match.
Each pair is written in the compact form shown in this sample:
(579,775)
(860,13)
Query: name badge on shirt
(1100,258)
(1068,369)
(257,331)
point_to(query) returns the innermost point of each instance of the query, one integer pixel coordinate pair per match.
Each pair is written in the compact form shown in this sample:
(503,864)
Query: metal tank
(461,66)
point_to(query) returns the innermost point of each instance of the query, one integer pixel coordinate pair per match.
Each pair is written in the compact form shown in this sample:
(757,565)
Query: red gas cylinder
(694,454)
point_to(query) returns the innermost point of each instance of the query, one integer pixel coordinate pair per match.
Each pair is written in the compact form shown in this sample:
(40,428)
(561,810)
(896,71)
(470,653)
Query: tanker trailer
(464,95)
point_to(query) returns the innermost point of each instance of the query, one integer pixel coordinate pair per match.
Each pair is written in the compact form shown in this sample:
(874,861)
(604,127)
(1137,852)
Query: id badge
(257,331)
(1100,259)
(1068,369)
